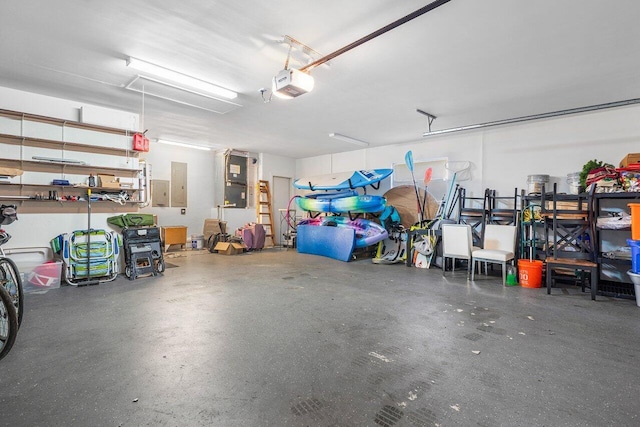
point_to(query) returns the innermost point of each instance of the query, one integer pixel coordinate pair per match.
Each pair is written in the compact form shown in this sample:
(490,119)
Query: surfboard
(353,204)
(342,181)
(366,232)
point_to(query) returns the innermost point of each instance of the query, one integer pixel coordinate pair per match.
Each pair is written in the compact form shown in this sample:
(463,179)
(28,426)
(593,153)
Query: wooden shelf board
(16,115)
(35,166)
(69,146)
(66,187)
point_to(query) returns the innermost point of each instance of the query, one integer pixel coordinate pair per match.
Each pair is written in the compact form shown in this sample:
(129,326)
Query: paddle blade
(427,176)
(408,159)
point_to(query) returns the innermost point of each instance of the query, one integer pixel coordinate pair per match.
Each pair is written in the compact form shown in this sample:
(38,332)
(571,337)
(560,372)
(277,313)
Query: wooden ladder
(263,208)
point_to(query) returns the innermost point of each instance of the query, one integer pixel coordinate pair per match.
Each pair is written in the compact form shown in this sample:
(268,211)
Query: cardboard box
(630,159)
(109,181)
(213,226)
(226,248)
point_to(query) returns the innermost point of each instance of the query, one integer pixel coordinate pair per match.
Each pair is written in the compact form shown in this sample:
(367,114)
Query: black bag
(8,214)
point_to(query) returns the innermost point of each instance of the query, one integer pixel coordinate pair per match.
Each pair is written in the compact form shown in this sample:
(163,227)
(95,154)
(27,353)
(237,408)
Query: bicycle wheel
(8,323)
(10,279)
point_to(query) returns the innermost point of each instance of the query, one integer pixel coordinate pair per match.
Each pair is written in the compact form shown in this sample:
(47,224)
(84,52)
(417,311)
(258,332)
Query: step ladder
(264,211)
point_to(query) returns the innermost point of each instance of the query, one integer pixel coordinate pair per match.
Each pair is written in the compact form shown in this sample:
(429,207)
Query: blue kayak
(343,180)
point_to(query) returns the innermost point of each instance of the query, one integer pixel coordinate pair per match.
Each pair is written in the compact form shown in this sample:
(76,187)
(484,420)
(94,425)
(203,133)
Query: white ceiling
(466,62)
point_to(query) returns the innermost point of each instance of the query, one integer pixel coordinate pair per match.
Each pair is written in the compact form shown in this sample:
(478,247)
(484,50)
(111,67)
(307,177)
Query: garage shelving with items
(613,228)
(531,228)
(47,163)
(569,232)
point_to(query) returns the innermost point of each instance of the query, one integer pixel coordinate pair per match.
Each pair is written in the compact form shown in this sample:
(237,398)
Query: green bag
(131,220)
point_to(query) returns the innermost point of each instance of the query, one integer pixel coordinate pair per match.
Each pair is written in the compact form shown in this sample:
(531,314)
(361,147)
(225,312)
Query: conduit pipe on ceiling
(375,34)
(536,117)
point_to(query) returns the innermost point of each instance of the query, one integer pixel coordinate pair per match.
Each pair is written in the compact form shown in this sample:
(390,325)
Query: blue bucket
(635,255)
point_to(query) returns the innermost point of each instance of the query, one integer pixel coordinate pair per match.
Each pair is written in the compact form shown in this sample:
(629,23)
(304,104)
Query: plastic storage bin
(536,182)
(41,277)
(635,278)
(573,179)
(635,255)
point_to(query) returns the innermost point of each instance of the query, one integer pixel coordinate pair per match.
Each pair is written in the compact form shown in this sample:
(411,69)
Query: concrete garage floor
(282,339)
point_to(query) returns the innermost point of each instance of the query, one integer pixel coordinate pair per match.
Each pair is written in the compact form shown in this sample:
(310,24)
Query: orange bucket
(530,273)
(635,220)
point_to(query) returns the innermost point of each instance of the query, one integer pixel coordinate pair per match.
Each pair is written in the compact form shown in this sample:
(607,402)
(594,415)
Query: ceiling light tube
(178,77)
(182,144)
(348,139)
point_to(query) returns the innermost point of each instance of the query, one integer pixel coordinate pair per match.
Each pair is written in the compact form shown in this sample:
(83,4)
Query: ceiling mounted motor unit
(291,83)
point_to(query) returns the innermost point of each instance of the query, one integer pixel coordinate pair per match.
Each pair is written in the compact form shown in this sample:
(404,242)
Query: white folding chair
(457,243)
(499,247)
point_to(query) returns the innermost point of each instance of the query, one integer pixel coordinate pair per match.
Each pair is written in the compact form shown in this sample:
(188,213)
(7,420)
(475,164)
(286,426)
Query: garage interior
(485,95)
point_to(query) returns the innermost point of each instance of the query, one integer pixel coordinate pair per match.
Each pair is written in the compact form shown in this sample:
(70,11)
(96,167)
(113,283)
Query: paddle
(427,180)
(408,159)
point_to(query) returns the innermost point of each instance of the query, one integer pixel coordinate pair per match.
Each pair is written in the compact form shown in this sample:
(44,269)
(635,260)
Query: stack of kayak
(337,236)
(341,202)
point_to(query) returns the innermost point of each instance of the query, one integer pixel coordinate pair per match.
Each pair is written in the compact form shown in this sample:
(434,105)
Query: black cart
(142,251)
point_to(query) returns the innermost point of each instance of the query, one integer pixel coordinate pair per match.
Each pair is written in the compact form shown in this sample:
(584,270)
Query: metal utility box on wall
(178,184)
(159,192)
(236,174)
(235,191)
(236,195)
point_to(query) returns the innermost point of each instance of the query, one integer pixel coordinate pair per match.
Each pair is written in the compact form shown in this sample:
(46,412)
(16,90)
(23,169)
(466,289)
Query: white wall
(271,165)
(503,157)
(558,146)
(200,188)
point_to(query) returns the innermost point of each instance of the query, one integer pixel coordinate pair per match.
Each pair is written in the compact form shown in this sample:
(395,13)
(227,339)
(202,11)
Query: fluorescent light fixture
(291,83)
(182,144)
(180,94)
(348,139)
(178,77)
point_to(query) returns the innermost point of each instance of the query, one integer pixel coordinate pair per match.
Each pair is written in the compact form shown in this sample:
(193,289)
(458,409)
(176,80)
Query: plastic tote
(530,273)
(536,182)
(635,255)
(635,278)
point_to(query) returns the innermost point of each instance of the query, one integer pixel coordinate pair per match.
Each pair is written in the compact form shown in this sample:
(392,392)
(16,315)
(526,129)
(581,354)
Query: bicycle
(9,275)
(10,279)
(8,323)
